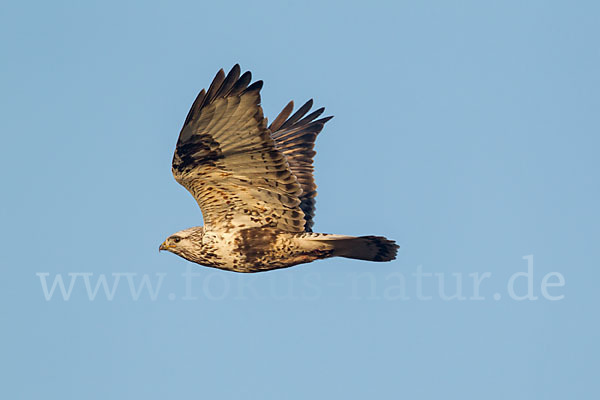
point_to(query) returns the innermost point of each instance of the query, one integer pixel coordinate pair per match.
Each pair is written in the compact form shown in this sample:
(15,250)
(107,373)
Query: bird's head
(184,243)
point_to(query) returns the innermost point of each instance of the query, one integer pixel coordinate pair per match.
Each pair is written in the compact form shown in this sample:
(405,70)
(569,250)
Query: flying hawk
(254,184)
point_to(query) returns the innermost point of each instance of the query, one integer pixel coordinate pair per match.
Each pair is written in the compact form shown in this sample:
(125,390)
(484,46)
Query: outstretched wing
(295,138)
(225,157)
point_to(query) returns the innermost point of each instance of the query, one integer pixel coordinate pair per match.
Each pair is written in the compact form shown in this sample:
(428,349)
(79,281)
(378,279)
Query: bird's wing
(295,138)
(225,157)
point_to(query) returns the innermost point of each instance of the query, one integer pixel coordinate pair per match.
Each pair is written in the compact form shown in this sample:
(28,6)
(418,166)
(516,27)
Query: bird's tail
(369,248)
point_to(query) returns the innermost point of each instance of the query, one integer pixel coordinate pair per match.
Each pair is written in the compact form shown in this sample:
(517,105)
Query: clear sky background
(468,131)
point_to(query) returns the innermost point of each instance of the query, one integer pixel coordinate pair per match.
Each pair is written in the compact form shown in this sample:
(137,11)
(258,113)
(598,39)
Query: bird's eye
(176,239)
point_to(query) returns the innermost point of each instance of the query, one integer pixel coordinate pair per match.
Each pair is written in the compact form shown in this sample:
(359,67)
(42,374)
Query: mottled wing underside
(295,138)
(225,157)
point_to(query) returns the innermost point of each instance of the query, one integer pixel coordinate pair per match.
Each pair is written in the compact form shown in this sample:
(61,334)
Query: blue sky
(467,131)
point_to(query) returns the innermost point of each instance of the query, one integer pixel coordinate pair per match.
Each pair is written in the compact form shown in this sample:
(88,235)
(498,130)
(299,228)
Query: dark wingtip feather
(255,86)
(312,116)
(323,120)
(229,81)
(298,114)
(214,86)
(196,105)
(219,75)
(283,115)
(241,84)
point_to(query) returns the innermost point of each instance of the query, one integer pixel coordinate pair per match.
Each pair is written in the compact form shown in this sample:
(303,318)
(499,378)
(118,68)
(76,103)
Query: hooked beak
(163,246)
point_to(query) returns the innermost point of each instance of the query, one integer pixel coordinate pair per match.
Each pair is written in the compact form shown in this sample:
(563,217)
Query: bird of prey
(254,184)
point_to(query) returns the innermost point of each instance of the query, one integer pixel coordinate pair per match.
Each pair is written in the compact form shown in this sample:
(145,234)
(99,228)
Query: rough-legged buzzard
(254,184)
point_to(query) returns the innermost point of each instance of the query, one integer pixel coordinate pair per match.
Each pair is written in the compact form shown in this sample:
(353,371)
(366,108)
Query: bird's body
(254,184)
(262,249)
